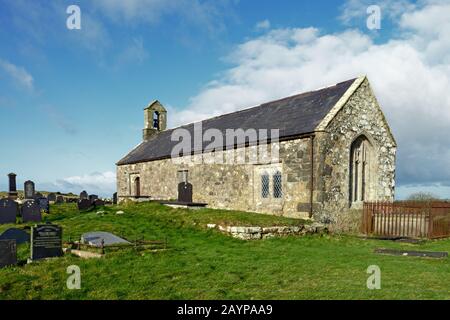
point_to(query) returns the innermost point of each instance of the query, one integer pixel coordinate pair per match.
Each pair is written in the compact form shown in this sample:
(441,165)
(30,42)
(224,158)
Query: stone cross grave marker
(29,190)
(8,211)
(31,211)
(46,241)
(8,253)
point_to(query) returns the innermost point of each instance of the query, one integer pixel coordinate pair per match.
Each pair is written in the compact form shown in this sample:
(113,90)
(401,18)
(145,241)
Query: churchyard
(198,261)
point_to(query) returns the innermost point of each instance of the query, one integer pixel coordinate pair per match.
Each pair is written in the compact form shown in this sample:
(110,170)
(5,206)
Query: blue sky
(71,100)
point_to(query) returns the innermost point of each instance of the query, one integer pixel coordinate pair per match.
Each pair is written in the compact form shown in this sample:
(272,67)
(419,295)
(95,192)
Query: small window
(277,185)
(183,176)
(265,185)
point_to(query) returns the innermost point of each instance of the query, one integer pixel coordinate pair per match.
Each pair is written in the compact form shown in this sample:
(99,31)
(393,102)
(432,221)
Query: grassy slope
(204,264)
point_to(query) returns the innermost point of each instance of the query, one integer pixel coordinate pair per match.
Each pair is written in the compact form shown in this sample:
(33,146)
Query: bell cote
(155,119)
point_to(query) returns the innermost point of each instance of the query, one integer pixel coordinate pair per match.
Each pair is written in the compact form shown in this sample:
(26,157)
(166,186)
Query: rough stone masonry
(336,150)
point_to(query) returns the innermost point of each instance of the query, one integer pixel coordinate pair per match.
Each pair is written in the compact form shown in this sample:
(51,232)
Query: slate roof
(293,116)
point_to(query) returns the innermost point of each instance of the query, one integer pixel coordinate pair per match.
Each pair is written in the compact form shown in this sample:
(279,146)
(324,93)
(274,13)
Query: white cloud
(410,79)
(431,30)
(17,74)
(103,184)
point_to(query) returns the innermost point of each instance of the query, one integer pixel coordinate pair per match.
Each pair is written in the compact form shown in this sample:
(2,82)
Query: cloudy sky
(71,100)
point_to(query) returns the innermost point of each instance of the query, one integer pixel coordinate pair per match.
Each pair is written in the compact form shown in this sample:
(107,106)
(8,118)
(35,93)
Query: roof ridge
(265,103)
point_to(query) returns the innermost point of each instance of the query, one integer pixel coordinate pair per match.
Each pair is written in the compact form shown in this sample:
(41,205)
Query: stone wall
(258,233)
(360,116)
(226,186)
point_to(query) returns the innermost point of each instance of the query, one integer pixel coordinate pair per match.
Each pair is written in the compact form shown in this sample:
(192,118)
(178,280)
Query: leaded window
(277,185)
(265,185)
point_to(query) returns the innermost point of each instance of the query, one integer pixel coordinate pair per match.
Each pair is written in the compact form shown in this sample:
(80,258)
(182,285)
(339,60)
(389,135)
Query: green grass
(204,264)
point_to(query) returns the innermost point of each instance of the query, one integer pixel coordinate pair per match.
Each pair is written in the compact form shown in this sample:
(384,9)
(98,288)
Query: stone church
(335,151)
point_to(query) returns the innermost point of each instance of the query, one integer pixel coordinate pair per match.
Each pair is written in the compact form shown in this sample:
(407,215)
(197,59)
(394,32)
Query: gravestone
(84,204)
(51,197)
(31,212)
(38,195)
(115,198)
(59,200)
(21,236)
(84,195)
(97,238)
(44,204)
(185,192)
(93,197)
(29,190)
(8,211)
(99,203)
(12,194)
(8,253)
(46,241)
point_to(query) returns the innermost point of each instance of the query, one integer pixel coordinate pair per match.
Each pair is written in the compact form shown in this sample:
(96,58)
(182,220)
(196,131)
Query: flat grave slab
(21,236)
(428,254)
(95,239)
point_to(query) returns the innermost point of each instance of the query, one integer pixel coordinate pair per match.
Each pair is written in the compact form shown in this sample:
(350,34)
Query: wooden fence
(407,219)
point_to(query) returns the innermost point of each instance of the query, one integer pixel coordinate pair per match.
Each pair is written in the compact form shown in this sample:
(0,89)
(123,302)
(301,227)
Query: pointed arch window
(362,170)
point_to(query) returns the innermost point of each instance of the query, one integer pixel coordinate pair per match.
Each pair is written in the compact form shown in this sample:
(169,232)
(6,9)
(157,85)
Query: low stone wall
(257,233)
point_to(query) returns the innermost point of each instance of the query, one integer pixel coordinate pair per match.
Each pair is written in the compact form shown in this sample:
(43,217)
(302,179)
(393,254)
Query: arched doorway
(362,171)
(137,187)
